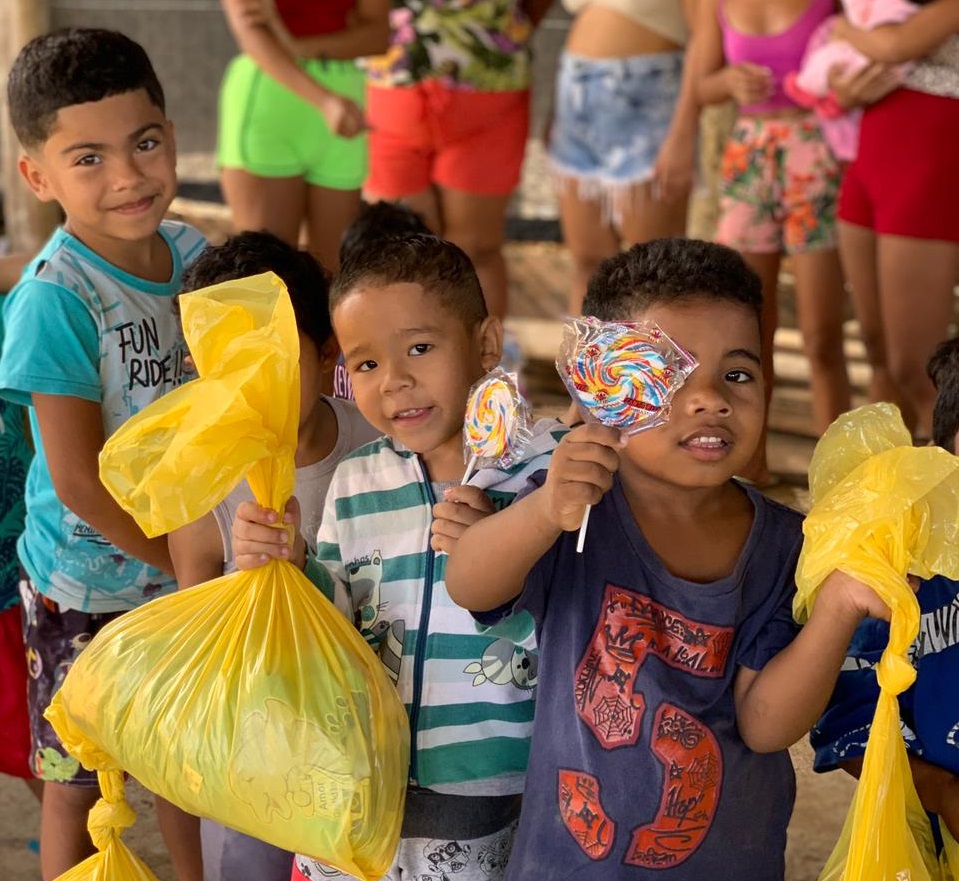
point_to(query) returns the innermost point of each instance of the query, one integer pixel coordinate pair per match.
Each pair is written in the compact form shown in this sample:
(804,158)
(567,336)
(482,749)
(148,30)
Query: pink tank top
(781,53)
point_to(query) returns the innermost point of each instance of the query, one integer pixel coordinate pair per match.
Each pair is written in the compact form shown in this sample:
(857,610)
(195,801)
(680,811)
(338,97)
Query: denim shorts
(612,116)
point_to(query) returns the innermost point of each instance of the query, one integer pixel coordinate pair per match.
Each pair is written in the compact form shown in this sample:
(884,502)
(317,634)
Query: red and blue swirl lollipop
(622,374)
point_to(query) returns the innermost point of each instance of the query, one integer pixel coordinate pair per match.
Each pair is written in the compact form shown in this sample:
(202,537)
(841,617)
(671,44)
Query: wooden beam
(28,222)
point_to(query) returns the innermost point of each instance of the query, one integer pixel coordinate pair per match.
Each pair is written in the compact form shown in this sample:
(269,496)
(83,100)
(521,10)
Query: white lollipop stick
(581,538)
(470,468)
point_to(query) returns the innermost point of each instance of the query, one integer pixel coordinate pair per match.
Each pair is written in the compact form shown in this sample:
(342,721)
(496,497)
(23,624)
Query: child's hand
(749,83)
(581,473)
(844,595)
(461,507)
(344,117)
(260,535)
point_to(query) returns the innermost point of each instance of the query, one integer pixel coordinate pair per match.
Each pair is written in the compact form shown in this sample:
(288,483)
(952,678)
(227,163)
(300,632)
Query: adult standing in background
(448,107)
(292,149)
(623,138)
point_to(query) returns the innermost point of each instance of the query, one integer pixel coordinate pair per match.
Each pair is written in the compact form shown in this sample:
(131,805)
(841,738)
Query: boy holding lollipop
(410,318)
(672,679)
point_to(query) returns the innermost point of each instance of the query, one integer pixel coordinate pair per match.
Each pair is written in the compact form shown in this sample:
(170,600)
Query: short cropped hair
(441,268)
(250,253)
(74,66)
(943,370)
(378,221)
(670,270)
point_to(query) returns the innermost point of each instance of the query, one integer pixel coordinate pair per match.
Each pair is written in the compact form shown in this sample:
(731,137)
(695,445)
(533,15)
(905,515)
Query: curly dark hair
(250,253)
(74,66)
(669,271)
(943,370)
(441,268)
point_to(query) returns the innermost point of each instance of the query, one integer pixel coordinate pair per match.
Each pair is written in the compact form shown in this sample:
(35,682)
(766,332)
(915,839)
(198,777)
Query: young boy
(91,338)
(930,719)
(376,223)
(414,330)
(329,429)
(670,679)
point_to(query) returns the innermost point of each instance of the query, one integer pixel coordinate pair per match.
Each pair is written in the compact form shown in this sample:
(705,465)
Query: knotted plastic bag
(249,699)
(882,509)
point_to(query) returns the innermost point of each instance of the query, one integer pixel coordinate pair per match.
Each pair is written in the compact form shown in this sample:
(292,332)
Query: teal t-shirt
(78,326)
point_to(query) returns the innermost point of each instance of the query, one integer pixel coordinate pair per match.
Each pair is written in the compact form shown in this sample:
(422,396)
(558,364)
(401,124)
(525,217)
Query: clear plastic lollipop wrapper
(498,423)
(622,374)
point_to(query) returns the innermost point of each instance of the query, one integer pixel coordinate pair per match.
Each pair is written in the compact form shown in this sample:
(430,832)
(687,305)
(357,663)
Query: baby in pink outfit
(809,87)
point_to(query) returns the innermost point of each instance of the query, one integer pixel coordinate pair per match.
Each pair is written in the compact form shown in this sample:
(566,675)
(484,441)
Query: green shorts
(268,131)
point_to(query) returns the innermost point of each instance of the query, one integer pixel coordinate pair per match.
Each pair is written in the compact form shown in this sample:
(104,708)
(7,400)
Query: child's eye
(89,159)
(365,366)
(420,348)
(739,376)
(148,144)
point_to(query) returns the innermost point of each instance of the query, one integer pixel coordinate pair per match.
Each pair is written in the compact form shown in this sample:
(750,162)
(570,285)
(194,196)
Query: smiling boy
(91,338)
(671,676)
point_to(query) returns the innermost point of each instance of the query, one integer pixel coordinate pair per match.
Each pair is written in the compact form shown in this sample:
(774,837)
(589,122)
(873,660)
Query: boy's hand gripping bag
(249,699)
(882,510)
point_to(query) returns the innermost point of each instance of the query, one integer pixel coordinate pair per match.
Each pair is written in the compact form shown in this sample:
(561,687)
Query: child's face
(412,362)
(717,416)
(111,164)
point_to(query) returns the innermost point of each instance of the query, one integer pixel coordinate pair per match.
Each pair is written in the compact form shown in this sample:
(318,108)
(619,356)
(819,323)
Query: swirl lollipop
(623,374)
(498,423)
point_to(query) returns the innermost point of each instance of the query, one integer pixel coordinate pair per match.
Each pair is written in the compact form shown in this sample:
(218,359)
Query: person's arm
(717,81)
(580,473)
(675,165)
(71,430)
(777,705)
(197,552)
(11,268)
(367,33)
(914,38)
(938,789)
(261,42)
(864,87)
(460,508)
(536,10)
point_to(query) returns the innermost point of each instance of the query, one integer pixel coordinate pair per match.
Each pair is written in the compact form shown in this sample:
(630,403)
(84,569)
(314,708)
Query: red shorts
(905,180)
(430,134)
(14,718)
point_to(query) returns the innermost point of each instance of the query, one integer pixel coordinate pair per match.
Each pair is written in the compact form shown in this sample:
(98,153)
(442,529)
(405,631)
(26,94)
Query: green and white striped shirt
(469,695)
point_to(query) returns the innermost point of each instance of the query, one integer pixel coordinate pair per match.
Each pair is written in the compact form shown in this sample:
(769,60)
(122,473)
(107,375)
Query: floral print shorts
(779,187)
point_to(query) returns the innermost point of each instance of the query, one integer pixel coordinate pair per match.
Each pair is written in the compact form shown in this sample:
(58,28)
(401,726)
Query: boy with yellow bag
(929,718)
(249,699)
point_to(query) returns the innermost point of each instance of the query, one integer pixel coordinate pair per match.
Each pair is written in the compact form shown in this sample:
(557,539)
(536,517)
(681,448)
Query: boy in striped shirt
(411,320)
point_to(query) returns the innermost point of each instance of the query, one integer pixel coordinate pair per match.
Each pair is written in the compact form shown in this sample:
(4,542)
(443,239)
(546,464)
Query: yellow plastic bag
(250,699)
(109,817)
(882,509)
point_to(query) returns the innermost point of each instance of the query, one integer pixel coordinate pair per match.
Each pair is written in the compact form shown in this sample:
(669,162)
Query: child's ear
(491,342)
(329,352)
(32,172)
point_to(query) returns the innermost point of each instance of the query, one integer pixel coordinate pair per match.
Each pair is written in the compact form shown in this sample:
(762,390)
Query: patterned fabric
(78,326)
(637,768)
(779,188)
(469,696)
(470,44)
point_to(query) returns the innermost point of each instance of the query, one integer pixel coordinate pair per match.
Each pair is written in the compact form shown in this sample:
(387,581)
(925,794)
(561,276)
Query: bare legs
(64,840)
(477,225)
(181,834)
(820,306)
(591,237)
(903,291)
(282,205)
